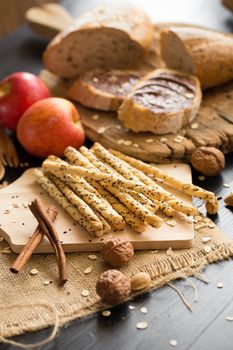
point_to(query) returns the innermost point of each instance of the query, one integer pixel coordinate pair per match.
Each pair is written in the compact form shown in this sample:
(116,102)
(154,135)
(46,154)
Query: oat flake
(206,239)
(34,272)
(1,239)
(142,325)
(226,185)
(131,307)
(85,293)
(136,145)
(149,140)
(127,142)
(88,270)
(194,126)
(95,117)
(143,310)
(220,285)
(207,249)
(173,342)
(171,223)
(229,318)
(201,177)
(102,130)
(46,282)
(163,139)
(106,313)
(92,257)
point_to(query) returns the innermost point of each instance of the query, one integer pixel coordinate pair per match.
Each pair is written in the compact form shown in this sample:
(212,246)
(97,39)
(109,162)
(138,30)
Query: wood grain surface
(203,329)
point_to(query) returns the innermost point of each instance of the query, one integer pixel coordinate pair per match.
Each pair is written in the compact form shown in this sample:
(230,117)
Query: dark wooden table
(203,329)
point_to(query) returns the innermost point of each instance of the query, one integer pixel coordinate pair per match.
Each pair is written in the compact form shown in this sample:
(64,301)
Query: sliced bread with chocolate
(205,53)
(114,35)
(102,89)
(162,102)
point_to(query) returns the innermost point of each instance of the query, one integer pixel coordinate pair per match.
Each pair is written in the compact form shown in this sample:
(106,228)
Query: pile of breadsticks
(104,190)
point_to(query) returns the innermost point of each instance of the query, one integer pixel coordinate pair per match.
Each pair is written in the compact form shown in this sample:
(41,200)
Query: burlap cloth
(26,304)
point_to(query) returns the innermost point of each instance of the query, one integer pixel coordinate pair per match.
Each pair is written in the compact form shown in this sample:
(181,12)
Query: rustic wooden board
(18,224)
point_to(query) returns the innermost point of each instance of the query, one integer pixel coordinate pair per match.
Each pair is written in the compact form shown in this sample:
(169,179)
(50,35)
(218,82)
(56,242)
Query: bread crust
(103,90)
(111,19)
(210,53)
(138,115)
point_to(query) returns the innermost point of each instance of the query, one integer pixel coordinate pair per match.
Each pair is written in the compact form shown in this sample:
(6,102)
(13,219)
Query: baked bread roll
(205,53)
(103,90)
(163,102)
(115,35)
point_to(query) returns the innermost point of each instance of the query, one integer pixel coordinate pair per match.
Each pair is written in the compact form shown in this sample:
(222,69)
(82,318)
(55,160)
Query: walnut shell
(113,287)
(208,160)
(140,281)
(229,200)
(117,252)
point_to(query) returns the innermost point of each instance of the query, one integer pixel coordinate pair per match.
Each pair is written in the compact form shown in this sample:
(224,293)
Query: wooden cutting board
(17,223)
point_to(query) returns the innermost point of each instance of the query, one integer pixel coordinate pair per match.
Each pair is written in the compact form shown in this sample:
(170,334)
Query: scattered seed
(173,342)
(102,129)
(143,310)
(189,95)
(200,225)
(229,318)
(92,257)
(131,307)
(201,177)
(149,140)
(211,225)
(85,293)
(136,145)
(95,117)
(194,126)
(6,250)
(119,127)
(34,272)
(120,141)
(142,325)
(106,313)
(47,282)
(171,223)
(163,139)
(95,79)
(220,285)
(207,249)
(198,217)
(205,239)
(226,185)
(179,138)
(1,239)
(88,270)
(127,142)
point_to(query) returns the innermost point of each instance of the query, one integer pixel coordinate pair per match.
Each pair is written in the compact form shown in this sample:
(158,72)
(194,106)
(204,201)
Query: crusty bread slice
(205,53)
(163,102)
(103,90)
(115,35)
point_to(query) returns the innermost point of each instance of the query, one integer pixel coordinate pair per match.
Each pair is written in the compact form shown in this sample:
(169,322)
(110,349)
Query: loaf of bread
(103,89)
(115,35)
(162,102)
(205,53)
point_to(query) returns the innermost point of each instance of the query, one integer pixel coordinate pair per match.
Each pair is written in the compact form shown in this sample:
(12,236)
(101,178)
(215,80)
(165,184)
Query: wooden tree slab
(214,119)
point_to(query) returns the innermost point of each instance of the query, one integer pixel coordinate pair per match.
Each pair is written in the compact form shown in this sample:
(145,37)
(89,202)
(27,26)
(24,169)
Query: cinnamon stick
(49,230)
(32,244)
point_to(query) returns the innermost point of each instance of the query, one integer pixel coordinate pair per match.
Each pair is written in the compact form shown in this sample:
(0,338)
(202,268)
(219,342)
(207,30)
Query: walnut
(113,287)
(208,160)
(140,281)
(229,199)
(117,252)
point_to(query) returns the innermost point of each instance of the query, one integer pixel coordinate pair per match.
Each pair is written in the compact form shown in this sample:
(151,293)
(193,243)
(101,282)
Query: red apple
(49,126)
(19,91)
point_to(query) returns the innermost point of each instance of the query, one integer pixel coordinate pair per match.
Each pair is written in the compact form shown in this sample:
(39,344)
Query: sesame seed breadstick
(84,157)
(190,189)
(82,207)
(127,171)
(57,195)
(153,193)
(137,208)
